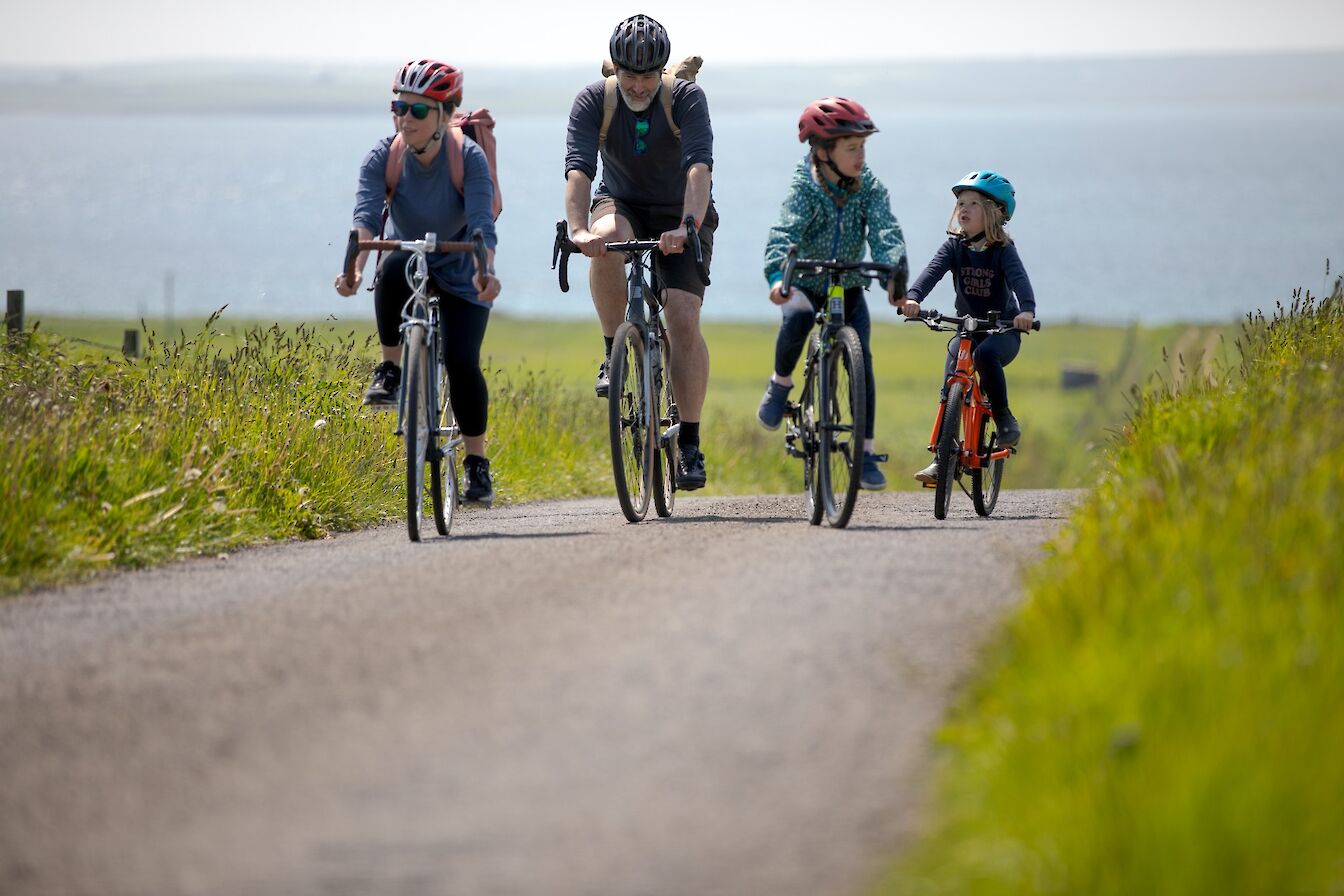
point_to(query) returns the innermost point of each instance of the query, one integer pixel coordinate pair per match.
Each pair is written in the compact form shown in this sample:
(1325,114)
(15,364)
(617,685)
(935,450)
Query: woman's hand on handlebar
(346,288)
(588,243)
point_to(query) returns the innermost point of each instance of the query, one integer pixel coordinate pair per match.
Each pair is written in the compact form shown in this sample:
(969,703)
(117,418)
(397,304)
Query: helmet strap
(438,135)
(843,181)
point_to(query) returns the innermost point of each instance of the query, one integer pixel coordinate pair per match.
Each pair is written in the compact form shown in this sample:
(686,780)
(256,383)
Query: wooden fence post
(130,343)
(13,312)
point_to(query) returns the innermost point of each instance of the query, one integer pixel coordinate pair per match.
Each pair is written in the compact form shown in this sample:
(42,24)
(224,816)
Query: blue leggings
(797,325)
(992,354)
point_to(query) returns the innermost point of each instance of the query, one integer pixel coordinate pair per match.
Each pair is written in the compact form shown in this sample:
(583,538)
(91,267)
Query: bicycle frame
(974,407)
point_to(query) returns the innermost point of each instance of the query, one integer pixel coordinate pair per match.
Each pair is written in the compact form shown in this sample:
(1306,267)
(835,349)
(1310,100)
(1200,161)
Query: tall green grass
(210,442)
(1163,715)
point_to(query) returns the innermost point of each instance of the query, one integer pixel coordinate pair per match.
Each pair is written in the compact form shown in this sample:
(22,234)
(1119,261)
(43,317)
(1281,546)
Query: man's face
(638,90)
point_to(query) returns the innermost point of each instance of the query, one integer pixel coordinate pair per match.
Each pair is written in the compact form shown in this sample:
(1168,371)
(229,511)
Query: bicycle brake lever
(561,252)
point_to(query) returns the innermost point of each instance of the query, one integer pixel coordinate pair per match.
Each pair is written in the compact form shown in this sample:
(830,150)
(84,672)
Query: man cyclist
(652,182)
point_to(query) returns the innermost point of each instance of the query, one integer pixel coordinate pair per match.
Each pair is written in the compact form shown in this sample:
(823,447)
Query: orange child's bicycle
(964,437)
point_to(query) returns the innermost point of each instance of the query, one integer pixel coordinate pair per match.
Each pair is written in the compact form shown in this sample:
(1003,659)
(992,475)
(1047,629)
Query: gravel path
(525,707)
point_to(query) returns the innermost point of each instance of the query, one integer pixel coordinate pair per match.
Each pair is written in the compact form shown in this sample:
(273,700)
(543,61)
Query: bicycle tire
(414,424)
(627,410)
(443,460)
(664,455)
(841,444)
(986,480)
(949,450)
(810,412)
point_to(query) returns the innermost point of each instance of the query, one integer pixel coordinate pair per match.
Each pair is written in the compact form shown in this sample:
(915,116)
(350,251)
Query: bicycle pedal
(928,485)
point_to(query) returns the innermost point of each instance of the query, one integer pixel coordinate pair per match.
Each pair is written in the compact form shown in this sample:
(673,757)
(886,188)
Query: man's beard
(636,106)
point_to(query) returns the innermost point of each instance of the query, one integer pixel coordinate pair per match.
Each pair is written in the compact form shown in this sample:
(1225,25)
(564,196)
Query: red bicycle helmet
(428,77)
(832,117)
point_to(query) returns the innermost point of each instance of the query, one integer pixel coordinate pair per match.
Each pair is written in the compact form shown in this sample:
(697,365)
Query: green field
(1065,430)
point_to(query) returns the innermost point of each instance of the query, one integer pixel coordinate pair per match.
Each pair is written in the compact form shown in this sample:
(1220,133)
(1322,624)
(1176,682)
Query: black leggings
(992,353)
(461,332)
(793,333)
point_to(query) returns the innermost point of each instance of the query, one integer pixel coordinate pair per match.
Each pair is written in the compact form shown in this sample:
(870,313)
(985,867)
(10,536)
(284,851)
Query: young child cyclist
(834,203)
(988,275)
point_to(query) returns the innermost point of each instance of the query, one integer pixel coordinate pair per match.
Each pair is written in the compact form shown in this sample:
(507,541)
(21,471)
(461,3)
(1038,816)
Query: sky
(508,33)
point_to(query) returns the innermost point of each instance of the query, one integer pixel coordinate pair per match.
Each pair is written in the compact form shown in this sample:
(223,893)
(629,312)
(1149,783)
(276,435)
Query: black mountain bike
(826,424)
(641,410)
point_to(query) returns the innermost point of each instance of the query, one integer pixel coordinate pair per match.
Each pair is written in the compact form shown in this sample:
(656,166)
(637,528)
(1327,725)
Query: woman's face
(848,155)
(970,213)
(417,130)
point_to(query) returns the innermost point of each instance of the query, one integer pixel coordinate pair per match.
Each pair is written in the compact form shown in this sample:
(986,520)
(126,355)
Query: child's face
(970,214)
(848,155)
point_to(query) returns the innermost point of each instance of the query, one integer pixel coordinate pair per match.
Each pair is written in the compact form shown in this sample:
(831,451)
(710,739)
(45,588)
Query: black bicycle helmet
(639,45)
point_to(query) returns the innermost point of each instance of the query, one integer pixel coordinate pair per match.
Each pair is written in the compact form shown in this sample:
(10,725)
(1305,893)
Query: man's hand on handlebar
(589,243)
(672,242)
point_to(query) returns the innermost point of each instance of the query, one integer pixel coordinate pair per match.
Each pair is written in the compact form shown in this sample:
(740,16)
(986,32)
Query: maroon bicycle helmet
(833,117)
(428,77)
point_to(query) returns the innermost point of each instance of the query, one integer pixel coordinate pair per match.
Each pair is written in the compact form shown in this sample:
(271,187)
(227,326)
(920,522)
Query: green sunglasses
(419,111)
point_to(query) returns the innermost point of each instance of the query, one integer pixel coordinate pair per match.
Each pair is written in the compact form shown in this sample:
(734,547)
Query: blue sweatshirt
(656,178)
(990,279)
(427,202)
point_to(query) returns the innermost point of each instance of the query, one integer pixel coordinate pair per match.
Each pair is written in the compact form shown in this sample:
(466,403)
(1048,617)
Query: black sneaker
(1009,431)
(480,490)
(603,380)
(382,392)
(690,468)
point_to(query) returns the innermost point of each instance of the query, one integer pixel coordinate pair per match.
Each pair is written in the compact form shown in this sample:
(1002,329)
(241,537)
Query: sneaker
(871,478)
(603,380)
(929,474)
(480,490)
(690,468)
(1009,432)
(771,411)
(382,392)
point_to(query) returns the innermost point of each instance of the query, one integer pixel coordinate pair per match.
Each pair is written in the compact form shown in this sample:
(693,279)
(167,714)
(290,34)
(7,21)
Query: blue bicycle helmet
(993,185)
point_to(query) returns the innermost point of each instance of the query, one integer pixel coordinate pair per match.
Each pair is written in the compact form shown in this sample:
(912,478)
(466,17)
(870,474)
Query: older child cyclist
(834,203)
(988,275)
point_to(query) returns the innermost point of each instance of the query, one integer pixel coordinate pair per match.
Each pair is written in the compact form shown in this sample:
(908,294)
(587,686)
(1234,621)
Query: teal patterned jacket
(811,220)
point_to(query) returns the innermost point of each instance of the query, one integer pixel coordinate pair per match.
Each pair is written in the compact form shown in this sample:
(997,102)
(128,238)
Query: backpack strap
(609,92)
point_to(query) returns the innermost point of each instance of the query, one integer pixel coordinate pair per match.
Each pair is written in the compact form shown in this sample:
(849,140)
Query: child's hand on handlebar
(1024,321)
(777,293)
(907,306)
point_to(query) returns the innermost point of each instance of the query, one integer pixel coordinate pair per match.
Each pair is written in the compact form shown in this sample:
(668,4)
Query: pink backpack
(476,124)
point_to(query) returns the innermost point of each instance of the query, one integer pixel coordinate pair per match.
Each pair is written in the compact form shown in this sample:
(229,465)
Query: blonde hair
(995,235)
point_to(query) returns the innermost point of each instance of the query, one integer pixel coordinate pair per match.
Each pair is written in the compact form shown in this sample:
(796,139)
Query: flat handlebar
(872,270)
(945,322)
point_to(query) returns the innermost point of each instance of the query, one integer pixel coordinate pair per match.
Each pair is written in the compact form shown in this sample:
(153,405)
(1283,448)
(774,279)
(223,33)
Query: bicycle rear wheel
(415,427)
(443,458)
(843,426)
(627,418)
(986,479)
(949,451)
(664,456)
(810,411)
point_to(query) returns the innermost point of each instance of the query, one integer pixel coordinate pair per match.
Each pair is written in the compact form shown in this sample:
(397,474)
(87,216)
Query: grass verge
(1162,715)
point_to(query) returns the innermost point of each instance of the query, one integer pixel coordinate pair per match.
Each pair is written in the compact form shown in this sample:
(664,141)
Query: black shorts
(676,271)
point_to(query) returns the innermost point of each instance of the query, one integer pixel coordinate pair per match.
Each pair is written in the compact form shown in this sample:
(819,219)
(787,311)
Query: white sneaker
(929,474)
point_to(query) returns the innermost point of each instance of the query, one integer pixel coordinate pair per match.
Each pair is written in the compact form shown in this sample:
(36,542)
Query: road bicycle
(425,417)
(826,425)
(964,437)
(642,415)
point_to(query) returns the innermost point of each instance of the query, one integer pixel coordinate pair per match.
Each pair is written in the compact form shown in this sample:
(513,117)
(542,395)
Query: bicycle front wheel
(843,426)
(444,447)
(664,455)
(948,453)
(415,426)
(627,417)
(986,479)
(811,412)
